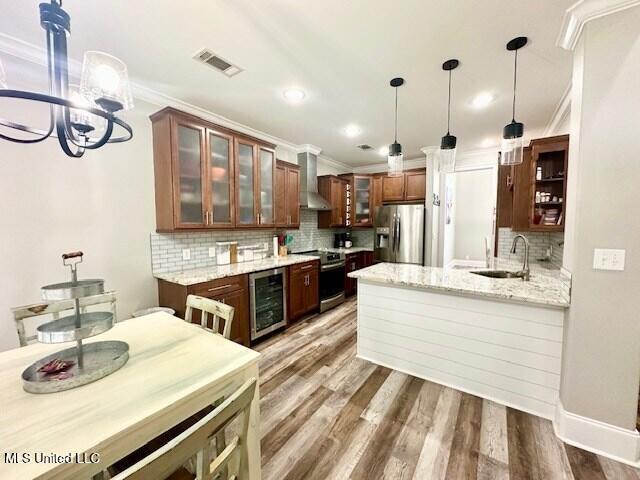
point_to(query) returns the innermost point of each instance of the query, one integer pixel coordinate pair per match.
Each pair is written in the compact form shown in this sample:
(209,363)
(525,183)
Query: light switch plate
(186,254)
(608,259)
(212,252)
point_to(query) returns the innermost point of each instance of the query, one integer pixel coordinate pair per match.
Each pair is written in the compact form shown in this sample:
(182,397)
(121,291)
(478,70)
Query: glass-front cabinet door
(188,176)
(220,172)
(247,213)
(362,201)
(266,200)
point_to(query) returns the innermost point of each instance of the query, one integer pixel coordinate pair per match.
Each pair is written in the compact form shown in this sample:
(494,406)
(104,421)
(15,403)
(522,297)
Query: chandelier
(82,117)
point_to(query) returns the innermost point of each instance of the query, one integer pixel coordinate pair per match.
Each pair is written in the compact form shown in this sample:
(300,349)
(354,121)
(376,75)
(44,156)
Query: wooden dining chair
(166,463)
(208,307)
(56,309)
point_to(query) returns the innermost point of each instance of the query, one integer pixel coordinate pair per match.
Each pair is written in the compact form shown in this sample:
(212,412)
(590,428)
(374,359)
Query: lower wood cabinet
(366,259)
(233,291)
(352,263)
(304,289)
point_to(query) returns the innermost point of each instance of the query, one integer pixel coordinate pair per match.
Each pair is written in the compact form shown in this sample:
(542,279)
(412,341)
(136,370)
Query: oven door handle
(332,266)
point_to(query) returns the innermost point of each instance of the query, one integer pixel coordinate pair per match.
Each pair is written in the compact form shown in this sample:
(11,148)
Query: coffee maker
(342,240)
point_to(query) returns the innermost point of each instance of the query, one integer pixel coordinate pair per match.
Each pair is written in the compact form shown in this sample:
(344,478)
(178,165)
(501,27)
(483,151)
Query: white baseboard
(600,438)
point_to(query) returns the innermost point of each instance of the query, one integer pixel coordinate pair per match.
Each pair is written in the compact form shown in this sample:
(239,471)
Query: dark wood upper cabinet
(393,188)
(358,200)
(354,197)
(376,194)
(415,185)
(522,193)
(409,186)
(208,176)
(504,201)
(220,174)
(334,190)
(287,195)
(543,171)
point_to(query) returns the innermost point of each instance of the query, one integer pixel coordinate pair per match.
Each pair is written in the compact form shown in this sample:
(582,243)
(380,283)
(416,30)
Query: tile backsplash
(539,242)
(166,248)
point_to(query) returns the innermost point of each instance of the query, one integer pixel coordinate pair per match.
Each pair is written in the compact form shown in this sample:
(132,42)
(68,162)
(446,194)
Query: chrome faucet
(525,267)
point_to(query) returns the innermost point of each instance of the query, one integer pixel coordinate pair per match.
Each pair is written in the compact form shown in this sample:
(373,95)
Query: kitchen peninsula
(500,339)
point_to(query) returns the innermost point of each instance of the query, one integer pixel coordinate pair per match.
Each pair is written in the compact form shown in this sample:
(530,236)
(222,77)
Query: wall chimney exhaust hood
(309,196)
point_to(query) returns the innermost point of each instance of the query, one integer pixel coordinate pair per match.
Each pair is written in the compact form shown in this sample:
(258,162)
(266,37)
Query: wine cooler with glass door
(268,291)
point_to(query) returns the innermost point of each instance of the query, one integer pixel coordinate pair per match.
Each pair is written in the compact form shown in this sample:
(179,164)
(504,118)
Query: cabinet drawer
(220,286)
(305,267)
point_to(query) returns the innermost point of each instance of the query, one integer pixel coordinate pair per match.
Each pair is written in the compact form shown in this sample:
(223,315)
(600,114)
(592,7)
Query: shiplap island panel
(507,351)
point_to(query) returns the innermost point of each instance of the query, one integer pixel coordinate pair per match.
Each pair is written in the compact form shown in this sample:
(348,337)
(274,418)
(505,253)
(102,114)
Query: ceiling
(342,54)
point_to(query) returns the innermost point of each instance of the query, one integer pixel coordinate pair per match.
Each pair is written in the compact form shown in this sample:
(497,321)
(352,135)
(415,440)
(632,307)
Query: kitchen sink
(499,274)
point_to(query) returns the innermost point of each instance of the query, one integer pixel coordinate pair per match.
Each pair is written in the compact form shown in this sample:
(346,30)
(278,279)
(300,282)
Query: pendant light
(75,113)
(395,160)
(512,141)
(448,143)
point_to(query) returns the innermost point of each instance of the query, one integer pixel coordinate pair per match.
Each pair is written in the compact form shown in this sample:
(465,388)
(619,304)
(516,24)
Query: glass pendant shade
(512,144)
(3,76)
(447,160)
(80,119)
(447,154)
(512,149)
(105,81)
(395,159)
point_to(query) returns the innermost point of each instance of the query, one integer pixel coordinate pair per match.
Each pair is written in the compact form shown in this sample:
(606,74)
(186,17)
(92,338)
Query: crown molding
(560,114)
(308,148)
(584,11)
(38,55)
(382,166)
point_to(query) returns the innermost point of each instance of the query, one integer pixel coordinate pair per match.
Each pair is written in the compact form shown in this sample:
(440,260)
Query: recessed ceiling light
(482,100)
(384,151)
(294,95)
(352,130)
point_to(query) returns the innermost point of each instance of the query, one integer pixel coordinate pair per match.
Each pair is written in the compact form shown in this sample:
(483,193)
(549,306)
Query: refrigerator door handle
(397,236)
(393,236)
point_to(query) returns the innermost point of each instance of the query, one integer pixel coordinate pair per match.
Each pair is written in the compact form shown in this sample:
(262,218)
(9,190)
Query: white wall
(475,202)
(102,204)
(601,364)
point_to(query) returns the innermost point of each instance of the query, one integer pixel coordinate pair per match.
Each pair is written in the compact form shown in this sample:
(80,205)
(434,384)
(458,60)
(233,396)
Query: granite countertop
(546,287)
(200,275)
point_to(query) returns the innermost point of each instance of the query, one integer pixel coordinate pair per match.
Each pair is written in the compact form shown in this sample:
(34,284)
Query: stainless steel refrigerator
(399,234)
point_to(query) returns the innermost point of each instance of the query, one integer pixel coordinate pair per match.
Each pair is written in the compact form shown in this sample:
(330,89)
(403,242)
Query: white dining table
(174,370)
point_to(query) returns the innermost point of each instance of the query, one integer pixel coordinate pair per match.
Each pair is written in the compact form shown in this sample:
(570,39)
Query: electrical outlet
(212,252)
(608,259)
(186,254)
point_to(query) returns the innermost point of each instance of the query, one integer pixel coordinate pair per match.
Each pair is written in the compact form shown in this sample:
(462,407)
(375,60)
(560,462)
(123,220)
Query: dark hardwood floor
(327,415)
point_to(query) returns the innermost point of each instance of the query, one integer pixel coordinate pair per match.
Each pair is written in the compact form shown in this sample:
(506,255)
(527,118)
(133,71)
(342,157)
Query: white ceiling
(342,53)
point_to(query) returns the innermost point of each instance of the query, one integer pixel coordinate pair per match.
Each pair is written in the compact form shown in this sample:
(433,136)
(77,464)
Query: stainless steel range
(332,275)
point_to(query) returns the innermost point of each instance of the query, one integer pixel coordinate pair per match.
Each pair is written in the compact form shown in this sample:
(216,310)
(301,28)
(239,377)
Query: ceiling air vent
(364,146)
(209,58)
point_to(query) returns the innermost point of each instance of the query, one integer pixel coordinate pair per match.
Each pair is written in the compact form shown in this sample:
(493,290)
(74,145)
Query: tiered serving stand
(90,361)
